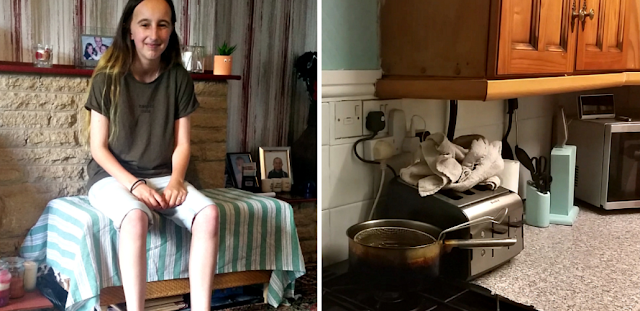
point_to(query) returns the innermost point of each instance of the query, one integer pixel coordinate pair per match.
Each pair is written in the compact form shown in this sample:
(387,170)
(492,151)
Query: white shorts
(114,200)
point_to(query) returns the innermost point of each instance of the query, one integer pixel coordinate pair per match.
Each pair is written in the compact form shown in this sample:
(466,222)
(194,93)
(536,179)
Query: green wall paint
(350,35)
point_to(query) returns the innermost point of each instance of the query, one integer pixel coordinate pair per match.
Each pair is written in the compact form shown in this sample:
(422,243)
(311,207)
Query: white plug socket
(387,149)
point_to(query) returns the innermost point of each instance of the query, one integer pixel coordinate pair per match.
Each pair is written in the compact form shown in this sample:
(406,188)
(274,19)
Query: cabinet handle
(574,13)
(583,13)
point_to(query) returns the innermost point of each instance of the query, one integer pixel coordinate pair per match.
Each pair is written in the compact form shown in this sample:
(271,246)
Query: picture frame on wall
(92,47)
(275,162)
(235,160)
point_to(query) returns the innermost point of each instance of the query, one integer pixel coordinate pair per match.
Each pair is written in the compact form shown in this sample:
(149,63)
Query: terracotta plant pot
(222,64)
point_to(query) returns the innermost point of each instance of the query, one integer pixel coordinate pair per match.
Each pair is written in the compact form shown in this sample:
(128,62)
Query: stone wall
(42,155)
(306,218)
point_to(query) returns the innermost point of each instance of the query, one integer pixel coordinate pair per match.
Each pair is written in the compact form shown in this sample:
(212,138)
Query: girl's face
(90,49)
(151,28)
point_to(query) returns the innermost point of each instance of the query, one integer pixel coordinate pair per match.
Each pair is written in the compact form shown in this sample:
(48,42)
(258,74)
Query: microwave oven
(607,162)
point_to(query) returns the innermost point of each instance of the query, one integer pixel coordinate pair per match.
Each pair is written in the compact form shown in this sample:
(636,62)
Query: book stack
(172,303)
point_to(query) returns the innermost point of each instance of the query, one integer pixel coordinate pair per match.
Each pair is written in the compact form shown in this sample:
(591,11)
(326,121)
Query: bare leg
(203,257)
(133,258)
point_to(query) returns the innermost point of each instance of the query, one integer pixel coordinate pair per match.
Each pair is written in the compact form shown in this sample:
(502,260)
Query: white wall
(349,186)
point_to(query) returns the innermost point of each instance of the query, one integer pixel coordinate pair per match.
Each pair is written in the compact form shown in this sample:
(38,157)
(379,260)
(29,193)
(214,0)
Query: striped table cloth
(79,242)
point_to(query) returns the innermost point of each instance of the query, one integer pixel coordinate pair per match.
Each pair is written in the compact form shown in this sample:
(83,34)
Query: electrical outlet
(348,119)
(379,105)
(370,144)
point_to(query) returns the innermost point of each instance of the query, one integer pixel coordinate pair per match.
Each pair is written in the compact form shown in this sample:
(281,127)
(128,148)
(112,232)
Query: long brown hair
(117,60)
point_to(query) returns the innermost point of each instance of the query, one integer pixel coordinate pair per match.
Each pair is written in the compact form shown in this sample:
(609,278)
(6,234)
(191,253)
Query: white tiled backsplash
(349,186)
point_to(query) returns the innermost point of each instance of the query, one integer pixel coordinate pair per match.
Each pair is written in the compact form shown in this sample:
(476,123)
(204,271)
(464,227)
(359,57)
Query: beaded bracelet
(135,183)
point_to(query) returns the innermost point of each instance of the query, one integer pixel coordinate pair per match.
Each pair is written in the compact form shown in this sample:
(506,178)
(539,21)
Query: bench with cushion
(258,244)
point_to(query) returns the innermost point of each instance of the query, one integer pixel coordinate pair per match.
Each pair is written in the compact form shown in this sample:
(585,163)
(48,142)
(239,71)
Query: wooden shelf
(69,70)
(484,89)
(293,198)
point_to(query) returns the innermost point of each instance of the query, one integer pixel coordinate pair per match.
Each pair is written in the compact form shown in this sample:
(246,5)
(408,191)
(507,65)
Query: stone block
(217,135)
(307,233)
(13,138)
(10,246)
(38,101)
(55,173)
(210,174)
(209,119)
(63,84)
(64,119)
(22,205)
(305,214)
(208,152)
(212,102)
(19,82)
(309,246)
(62,189)
(44,156)
(47,138)
(211,88)
(310,258)
(23,119)
(9,175)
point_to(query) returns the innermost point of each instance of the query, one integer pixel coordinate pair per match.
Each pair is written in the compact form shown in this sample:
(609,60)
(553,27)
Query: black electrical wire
(355,151)
(453,117)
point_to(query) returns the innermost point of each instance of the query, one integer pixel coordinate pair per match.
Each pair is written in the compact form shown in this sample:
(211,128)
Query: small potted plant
(222,62)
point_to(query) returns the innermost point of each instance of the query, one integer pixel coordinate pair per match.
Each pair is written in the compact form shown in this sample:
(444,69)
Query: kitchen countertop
(593,265)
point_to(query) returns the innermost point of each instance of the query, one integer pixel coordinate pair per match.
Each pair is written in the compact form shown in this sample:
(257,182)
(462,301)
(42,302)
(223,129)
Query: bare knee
(207,221)
(135,221)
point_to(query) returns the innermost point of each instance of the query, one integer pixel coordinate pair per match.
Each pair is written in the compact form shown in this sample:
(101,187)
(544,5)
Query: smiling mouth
(153,46)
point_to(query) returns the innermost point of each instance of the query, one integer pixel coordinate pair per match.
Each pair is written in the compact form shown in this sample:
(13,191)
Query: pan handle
(476,221)
(471,243)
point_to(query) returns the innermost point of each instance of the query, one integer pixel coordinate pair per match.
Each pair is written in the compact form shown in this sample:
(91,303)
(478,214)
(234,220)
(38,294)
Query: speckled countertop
(593,265)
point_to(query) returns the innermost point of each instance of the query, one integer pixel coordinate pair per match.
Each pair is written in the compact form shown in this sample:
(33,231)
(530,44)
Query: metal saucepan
(398,252)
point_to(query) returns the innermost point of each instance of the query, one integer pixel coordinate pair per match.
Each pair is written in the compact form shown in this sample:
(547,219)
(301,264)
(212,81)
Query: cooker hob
(344,291)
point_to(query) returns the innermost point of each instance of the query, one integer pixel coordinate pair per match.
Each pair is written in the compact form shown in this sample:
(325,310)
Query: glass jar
(193,58)
(16,268)
(5,283)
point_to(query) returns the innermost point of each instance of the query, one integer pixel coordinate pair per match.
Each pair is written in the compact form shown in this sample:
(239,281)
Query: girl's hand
(175,193)
(150,197)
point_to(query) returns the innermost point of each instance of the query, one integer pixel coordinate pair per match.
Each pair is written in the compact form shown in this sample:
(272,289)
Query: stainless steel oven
(607,162)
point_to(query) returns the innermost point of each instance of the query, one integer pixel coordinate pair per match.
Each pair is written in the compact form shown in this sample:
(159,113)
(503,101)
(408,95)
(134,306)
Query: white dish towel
(445,165)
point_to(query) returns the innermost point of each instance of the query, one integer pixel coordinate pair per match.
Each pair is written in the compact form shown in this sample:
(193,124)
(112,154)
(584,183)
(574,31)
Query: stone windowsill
(70,70)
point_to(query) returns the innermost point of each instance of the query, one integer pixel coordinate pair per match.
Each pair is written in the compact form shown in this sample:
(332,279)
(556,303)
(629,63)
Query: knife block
(537,207)
(563,172)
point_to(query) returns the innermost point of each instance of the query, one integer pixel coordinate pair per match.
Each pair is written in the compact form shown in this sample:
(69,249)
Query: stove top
(344,291)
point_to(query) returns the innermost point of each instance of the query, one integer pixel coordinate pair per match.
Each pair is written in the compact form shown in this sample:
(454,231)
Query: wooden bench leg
(265,292)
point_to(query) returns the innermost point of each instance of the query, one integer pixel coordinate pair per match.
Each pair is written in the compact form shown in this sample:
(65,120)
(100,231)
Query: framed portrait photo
(275,162)
(92,48)
(234,163)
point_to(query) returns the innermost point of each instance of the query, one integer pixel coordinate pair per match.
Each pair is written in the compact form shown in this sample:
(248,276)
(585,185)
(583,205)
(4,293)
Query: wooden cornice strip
(431,89)
(482,89)
(503,89)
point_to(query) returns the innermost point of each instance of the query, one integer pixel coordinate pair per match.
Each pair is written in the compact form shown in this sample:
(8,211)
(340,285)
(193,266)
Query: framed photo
(92,48)
(275,162)
(235,162)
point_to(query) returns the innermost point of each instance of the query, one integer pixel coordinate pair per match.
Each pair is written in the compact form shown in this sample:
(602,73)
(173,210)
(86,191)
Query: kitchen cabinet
(536,36)
(464,46)
(602,43)
(562,36)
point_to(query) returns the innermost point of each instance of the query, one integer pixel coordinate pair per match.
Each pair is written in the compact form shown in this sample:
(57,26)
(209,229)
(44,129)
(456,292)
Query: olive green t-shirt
(144,142)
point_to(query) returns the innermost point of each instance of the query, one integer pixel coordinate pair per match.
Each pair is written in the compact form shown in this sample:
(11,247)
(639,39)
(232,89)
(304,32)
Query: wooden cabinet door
(536,37)
(601,35)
